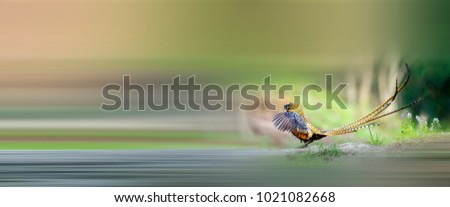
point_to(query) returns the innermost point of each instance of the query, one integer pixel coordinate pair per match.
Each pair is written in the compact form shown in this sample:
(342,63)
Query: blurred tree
(430,80)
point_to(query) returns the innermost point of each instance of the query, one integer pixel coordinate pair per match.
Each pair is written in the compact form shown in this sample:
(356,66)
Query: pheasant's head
(290,107)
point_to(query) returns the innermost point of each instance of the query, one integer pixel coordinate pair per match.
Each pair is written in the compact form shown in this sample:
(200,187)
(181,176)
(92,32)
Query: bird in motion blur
(293,119)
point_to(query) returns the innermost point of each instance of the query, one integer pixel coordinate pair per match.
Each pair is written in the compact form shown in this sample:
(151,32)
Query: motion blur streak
(425,166)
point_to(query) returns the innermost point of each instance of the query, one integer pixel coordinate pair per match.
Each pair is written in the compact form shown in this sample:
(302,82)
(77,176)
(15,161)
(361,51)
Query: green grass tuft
(323,153)
(375,140)
(418,128)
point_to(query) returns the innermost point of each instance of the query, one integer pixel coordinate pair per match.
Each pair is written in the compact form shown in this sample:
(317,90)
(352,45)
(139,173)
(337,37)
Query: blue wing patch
(289,121)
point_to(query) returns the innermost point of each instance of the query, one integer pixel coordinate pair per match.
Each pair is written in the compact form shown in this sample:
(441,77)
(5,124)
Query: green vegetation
(329,151)
(430,80)
(375,140)
(319,152)
(435,125)
(408,127)
(418,128)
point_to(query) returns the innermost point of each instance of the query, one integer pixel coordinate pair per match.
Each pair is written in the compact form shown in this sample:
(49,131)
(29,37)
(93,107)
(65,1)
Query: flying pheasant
(293,119)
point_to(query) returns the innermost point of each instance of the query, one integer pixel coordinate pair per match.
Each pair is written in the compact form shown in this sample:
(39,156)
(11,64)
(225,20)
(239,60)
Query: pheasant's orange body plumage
(293,119)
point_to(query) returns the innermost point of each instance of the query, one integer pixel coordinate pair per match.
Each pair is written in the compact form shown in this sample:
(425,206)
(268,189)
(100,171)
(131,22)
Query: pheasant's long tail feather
(397,110)
(314,129)
(373,114)
(350,130)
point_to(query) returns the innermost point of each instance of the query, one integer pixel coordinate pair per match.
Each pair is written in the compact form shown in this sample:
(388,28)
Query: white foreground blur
(343,196)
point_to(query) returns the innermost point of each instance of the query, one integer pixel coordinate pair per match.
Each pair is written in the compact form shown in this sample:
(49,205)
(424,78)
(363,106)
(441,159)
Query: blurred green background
(55,57)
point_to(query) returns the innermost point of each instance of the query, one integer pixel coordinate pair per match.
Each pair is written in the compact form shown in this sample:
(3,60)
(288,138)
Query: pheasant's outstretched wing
(290,121)
(373,114)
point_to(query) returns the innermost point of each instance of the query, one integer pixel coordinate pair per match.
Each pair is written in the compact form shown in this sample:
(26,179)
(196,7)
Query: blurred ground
(417,164)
